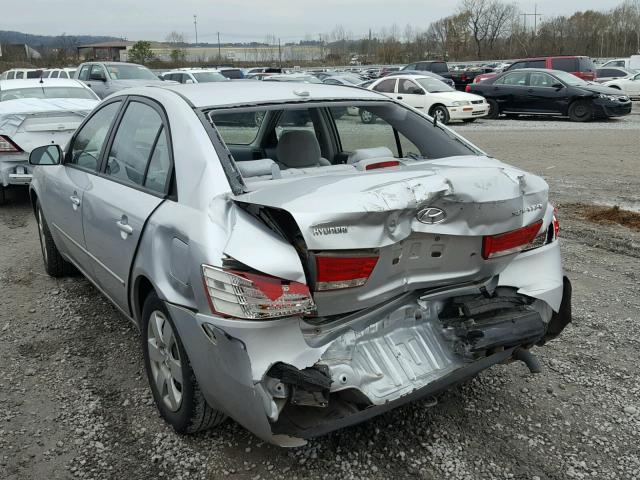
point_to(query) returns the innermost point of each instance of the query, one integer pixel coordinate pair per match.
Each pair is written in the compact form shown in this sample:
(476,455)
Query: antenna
(195,26)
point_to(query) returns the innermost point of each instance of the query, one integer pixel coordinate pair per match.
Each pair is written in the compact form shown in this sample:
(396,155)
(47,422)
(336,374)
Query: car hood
(595,88)
(449,97)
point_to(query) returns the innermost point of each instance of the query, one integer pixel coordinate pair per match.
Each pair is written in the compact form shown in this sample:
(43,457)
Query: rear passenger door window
(87,144)
(133,146)
(518,79)
(565,64)
(386,86)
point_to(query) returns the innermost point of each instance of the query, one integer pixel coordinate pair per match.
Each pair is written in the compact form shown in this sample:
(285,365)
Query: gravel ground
(74,401)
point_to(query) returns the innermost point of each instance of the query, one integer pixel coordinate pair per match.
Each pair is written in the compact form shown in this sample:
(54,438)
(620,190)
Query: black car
(550,92)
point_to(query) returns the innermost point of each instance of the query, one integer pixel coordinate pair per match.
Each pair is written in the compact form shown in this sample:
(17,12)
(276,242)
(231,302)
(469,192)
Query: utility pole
(195,26)
(369,49)
(219,52)
(280,52)
(535,16)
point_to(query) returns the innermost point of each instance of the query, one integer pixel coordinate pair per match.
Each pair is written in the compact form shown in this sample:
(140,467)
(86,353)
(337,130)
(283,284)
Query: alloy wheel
(164,359)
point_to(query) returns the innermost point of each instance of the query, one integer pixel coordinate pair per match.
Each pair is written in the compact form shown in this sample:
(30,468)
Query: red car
(581,67)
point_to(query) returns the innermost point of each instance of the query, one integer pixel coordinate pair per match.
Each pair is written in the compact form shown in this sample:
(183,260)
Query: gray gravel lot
(74,401)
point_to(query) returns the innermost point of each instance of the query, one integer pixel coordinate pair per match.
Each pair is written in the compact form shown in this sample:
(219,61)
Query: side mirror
(188,80)
(557,86)
(46,155)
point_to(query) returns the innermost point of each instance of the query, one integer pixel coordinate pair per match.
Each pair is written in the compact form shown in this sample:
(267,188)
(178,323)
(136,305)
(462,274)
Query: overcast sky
(240,20)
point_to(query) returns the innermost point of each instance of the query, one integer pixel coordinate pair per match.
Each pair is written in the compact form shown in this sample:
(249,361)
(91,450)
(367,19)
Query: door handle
(124,227)
(75,201)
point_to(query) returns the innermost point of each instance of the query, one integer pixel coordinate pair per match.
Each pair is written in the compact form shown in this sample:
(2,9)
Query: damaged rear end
(380,287)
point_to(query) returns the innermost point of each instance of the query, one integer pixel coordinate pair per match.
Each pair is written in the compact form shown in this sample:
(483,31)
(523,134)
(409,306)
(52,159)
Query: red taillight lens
(463,78)
(467,88)
(254,296)
(556,224)
(510,242)
(386,164)
(8,146)
(334,272)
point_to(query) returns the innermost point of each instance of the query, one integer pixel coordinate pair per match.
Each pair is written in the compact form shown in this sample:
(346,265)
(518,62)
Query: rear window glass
(48,92)
(565,64)
(439,67)
(233,74)
(238,128)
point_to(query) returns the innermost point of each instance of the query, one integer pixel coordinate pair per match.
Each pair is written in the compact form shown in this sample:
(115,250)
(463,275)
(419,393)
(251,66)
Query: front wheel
(580,111)
(173,384)
(440,113)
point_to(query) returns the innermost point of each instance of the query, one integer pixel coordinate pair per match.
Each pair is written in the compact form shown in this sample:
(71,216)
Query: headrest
(255,168)
(367,153)
(298,149)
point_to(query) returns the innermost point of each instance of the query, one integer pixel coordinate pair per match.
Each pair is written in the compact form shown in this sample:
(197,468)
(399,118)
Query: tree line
(494,29)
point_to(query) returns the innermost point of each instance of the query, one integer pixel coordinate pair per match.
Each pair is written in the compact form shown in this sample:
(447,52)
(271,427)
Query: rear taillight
(254,296)
(8,146)
(334,272)
(467,88)
(555,224)
(385,164)
(510,242)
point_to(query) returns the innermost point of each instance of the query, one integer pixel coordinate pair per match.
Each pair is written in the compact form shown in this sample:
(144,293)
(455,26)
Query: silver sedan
(291,267)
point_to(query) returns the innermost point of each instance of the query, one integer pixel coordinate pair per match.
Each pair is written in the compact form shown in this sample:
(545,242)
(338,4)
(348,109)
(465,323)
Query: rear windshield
(206,77)
(232,73)
(47,92)
(130,72)
(361,129)
(439,67)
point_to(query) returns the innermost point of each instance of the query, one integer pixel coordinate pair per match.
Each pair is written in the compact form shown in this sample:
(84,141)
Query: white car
(631,63)
(629,85)
(194,76)
(21,73)
(37,112)
(59,73)
(431,96)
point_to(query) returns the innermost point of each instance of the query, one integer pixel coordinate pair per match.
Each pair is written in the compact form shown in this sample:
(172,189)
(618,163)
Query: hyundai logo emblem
(431,215)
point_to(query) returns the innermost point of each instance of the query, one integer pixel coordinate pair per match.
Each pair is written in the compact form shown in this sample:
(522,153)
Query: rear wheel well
(34,199)
(143,287)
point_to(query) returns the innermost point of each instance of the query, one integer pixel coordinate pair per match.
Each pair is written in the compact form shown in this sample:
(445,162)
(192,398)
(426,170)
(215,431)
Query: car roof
(35,82)
(219,94)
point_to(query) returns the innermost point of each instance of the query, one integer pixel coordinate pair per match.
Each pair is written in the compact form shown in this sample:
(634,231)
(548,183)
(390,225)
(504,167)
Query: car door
(632,86)
(408,93)
(64,190)
(542,97)
(509,91)
(98,80)
(133,182)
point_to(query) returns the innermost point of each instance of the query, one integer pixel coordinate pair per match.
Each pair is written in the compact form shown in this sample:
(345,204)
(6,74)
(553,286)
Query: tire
(580,111)
(173,384)
(367,117)
(441,113)
(494,109)
(54,264)
(511,116)
(469,120)
(3,194)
